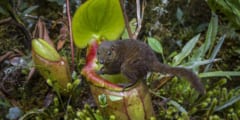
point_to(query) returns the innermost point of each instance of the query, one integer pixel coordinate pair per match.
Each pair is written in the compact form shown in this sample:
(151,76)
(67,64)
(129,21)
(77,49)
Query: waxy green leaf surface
(43,49)
(97,19)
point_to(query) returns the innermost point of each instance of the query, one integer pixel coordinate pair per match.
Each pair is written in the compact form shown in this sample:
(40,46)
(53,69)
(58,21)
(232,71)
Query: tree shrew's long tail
(180,72)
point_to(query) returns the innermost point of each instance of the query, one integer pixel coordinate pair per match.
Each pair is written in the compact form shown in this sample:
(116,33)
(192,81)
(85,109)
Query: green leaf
(32,112)
(187,49)
(43,49)
(228,103)
(211,35)
(102,100)
(193,64)
(230,8)
(2,11)
(155,45)
(200,53)
(178,106)
(175,104)
(4,103)
(97,19)
(98,116)
(219,74)
(132,25)
(179,15)
(29,10)
(215,51)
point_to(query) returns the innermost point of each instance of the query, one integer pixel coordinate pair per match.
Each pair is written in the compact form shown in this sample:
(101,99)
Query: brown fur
(134,59)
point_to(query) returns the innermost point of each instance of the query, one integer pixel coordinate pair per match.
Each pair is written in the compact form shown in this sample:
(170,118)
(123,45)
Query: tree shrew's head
(106,52)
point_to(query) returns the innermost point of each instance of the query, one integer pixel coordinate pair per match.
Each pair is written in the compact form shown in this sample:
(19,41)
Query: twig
(140,14)
(126,19)
(70,33)
(139,20)
(6,20)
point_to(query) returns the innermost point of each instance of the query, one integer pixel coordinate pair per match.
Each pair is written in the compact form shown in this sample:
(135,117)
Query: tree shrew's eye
(108,52)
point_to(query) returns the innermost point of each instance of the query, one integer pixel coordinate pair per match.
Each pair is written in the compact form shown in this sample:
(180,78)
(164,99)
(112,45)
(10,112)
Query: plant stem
(4,21)
(140,13)
(70,33)
(126,19)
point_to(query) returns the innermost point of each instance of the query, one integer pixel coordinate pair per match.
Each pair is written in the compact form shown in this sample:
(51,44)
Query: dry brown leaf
(19,52)
(5,56)
(62,37)
(41,31)
(30,74)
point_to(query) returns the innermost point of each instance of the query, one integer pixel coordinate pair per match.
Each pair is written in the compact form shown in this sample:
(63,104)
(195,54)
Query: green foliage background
(200,35)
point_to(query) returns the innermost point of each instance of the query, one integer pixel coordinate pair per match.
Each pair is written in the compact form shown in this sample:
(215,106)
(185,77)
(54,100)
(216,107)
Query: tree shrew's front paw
(99,72)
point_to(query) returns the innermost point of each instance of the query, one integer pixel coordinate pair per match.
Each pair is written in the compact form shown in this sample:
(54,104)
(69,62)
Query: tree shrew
(134,59)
